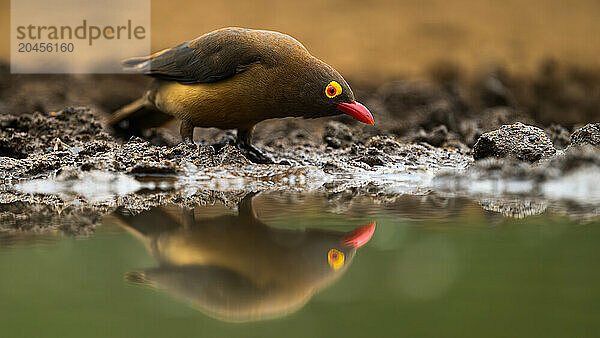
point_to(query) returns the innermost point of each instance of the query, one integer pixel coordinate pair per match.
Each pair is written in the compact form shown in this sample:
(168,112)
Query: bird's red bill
(357,111)
(359,236)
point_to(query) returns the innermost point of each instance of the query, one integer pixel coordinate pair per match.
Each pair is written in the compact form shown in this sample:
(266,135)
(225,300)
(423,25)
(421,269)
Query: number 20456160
(46,47)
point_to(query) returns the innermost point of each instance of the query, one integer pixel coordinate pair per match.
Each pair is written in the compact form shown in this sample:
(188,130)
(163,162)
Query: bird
(234,78)
(236,268)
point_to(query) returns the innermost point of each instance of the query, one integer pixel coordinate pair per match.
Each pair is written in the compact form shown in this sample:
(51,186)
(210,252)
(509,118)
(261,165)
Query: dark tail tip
(136,64)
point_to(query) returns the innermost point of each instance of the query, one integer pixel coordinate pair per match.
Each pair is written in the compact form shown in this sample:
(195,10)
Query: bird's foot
(249,151)
(254,155)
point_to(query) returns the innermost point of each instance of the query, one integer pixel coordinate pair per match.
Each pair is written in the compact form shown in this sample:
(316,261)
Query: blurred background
(435,71)
(374,40)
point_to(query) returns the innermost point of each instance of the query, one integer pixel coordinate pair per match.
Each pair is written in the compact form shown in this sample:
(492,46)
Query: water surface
(297,265)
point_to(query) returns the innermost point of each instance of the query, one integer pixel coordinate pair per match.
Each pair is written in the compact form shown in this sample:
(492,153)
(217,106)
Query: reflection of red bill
(359,236)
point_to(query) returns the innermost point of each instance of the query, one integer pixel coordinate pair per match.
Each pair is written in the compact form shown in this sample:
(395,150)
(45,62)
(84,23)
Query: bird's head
(332,251)
(324,92)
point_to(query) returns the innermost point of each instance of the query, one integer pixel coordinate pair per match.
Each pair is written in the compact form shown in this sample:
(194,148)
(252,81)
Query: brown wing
(211,57)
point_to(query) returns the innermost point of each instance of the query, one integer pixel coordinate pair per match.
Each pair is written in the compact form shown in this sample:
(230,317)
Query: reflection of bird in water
(237,268)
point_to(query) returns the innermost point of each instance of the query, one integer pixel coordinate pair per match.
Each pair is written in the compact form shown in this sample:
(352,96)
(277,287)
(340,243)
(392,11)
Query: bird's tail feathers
(139,278)
(139,64)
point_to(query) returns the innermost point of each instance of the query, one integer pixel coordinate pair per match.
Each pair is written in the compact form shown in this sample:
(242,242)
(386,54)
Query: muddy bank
(104,174)
(72,140)
(447,137)
(66,158)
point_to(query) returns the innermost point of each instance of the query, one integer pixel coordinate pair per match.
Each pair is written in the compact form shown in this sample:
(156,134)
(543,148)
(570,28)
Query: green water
(427,271)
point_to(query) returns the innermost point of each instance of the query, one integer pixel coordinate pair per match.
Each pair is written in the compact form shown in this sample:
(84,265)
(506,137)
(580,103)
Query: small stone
(523,142)
(588,134)
(372,160)
(230,155)
(386,144)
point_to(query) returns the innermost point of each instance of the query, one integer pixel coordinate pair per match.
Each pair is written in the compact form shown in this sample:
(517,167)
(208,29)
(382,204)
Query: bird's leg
(186,130)
(246,211)
(244,136)
(245,208)
(187,217)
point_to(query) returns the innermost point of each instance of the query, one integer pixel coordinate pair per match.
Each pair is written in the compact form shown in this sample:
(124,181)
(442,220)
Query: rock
(372,160)
(376,152)
(588,134)
(231,155)
(526,143)
(386,144)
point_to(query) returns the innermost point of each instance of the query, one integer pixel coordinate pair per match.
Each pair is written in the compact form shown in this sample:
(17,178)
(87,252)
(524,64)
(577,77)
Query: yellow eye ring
(335,259)
(333,89)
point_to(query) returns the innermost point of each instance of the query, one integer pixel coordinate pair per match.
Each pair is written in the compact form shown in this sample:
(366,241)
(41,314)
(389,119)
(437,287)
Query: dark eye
(331,91)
